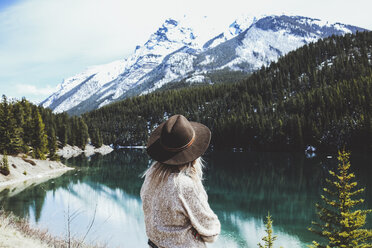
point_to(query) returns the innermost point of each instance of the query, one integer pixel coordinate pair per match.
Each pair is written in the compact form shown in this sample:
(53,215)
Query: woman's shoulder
(187,185)
(184,180)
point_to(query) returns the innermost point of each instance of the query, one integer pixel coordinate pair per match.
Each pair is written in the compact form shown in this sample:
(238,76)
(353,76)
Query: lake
(242,187)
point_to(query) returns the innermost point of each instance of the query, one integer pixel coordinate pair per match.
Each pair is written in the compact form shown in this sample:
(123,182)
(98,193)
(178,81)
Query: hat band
(178,149)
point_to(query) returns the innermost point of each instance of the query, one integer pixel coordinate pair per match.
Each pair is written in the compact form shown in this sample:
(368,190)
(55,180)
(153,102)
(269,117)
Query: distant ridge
(317,97)
(175,52)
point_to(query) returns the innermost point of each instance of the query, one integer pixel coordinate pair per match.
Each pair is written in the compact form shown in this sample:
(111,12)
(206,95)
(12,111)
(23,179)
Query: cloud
(44,41)
(42,31)
(28,89)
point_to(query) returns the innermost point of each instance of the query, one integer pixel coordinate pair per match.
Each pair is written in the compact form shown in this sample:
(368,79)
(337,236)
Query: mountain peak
(174,52)
(170,22)
(238,26)
(170,33)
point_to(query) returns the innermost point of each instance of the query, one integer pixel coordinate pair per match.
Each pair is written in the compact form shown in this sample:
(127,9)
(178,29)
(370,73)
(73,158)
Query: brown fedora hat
(178,141)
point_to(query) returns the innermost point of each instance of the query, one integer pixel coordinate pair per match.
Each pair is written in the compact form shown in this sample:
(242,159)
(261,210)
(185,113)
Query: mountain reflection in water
(242,188)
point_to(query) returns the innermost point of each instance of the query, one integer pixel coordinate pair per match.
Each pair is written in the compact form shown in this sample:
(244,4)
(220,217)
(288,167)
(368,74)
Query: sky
(44,41)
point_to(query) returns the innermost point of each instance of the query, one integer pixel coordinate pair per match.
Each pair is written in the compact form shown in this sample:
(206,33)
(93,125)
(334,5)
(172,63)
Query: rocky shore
(26,169)
(25,172)
(73,151)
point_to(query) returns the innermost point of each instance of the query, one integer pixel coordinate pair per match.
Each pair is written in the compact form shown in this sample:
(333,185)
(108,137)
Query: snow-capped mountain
(177,52)
(116,78)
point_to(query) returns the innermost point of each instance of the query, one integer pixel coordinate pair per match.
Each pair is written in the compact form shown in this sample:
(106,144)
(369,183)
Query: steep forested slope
(318,95)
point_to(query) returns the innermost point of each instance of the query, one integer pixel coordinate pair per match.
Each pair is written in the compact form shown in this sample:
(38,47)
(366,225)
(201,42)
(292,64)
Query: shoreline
(69,151)
(18,232)
(34,178)
(25,171)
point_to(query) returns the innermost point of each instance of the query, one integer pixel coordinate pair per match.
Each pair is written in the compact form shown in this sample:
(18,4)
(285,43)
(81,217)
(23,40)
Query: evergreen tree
(270,238)
(4,167)
(368,134)
(63,135)
(10,134)
(19,115)
(73,131)
(62,126)
(39,140)
(52,145)
(27,124)
(81,133)
(24,125)
(341,226)
(96,138)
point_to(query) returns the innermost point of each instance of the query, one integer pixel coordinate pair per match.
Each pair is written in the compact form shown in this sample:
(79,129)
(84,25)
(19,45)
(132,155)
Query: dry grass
(10,221)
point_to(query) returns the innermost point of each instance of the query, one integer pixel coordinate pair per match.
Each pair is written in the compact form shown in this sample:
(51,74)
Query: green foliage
(4,167)
(10,132)
(39,140)
(215,76)
(27,123)
(52,145)
(24,126)
(341,225)
(82,136)
(270,238)
(320,95)
(96,138)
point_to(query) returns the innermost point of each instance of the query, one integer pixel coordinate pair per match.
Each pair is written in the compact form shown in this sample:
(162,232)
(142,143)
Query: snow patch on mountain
(260,47)
(342,28)
(208,59)
(114,79)
(169,37)
(196,79)
(177,66)
(182,50)
(104,103)
(234,29)
(82,86)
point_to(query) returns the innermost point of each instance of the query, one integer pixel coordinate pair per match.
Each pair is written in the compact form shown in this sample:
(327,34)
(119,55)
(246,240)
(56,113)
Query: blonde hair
(158,172)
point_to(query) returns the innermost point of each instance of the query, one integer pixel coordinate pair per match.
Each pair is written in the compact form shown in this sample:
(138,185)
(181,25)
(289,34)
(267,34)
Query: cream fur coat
(175,210)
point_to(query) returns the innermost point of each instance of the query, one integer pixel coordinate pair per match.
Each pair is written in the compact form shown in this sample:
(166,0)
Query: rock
(73,151)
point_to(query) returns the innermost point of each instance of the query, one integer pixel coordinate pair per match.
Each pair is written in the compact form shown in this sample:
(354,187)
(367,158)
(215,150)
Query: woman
(175,204)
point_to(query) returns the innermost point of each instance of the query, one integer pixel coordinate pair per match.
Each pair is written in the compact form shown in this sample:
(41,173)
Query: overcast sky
(44,41)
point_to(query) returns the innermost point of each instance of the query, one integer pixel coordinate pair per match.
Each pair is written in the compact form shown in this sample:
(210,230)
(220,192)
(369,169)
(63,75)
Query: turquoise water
(242,188)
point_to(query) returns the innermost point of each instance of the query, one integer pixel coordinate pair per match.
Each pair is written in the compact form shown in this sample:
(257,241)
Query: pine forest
(318,95)
(27,128)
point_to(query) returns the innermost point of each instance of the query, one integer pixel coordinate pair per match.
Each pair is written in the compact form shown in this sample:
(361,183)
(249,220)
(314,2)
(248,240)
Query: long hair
(158,173)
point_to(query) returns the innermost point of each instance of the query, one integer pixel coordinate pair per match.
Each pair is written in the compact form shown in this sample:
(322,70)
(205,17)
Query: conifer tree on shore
(10,133)
(318,95)
(39,138)
(270,238)
(96,138)
(4,166)
(52,145)
(82,136)
(25,126)
(340,225)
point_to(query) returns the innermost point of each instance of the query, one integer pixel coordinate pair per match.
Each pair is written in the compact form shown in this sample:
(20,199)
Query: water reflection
(117,215)
(242,188)
(249,232)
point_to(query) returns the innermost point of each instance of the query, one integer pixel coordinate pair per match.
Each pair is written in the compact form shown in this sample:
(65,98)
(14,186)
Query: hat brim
(156,151)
